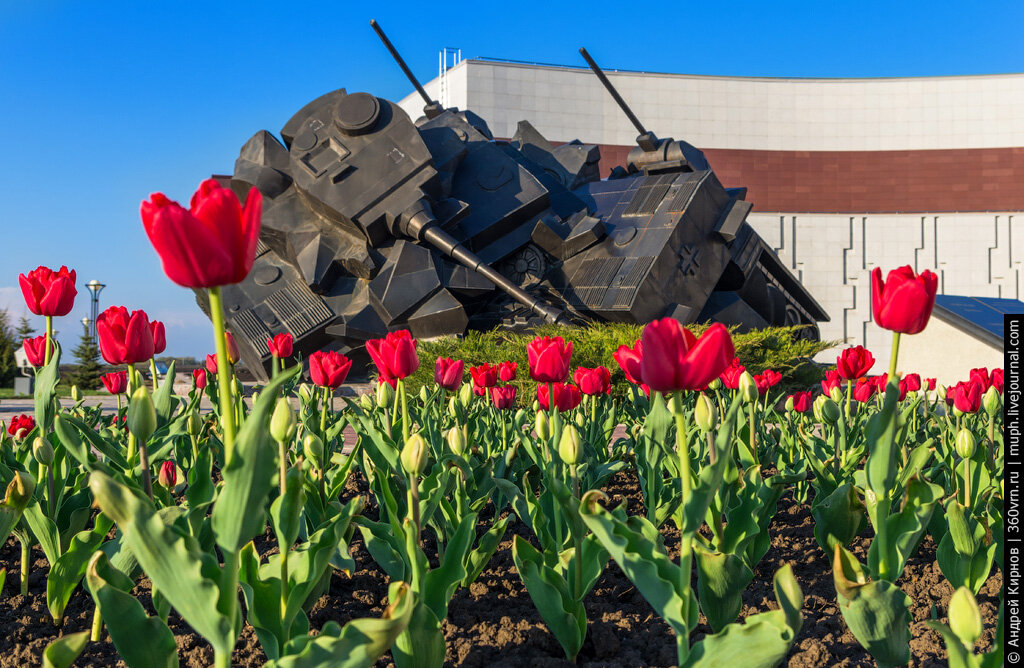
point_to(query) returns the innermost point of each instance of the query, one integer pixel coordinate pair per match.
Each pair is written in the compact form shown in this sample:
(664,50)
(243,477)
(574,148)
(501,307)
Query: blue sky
(103,103)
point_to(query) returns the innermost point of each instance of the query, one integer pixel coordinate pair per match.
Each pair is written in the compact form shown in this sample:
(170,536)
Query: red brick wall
(988,179)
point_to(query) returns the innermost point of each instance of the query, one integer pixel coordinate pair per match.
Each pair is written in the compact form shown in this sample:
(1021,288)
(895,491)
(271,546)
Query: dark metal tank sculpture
(373,222)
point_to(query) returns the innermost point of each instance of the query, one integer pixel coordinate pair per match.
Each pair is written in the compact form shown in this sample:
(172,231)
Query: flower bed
(702,518)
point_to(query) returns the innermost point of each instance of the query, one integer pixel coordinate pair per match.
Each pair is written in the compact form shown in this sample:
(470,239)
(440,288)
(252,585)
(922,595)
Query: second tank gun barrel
(614,93)
(422,226)
(401,62)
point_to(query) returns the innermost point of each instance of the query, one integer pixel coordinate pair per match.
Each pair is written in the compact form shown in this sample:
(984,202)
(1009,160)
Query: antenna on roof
(646,140)
(431,109)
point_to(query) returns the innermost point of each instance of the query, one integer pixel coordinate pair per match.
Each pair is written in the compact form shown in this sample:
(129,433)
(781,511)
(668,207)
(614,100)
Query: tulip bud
(705,414)
(457,439)
(194,424)
(282,423)
(966,444)
(385,395)
(255,395)
(992,402)
(940,390)
(305,392)
(168,476)
(466,395)
(675,404)
(451,405)
(414,455)
(366,402)
(20,489)
(836,395)
(76,394)
(789,404)
(580,420)
(519,416)
(965,617)
(424,395)
(569,445)
(141,414)
(42,451)
(748,388)
(816,407)
(830,411)
(542,427)
(715,385)
(313,447)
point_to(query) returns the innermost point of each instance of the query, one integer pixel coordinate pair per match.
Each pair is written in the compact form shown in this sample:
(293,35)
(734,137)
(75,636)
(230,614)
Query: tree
(8,344)
(86,375)
(25,329)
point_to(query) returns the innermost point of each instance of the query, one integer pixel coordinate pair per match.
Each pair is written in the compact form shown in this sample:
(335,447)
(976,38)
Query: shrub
(778,348)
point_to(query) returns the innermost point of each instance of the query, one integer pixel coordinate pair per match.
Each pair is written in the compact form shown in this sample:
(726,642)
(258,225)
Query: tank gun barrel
(614,93)
(422,226)
(430,104)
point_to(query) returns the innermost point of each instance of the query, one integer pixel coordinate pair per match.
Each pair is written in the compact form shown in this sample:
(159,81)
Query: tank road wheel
(526,266)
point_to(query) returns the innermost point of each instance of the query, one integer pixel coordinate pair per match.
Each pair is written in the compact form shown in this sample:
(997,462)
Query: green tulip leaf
(549,591)
(486,546)
(721,580)
(877,612)
(173,563)
(905,528)
(387,549)
(881,439)
(634,546)
(46,391)
(69,569)
(240,511)
(838,518)
(141,641)
(62,652)
(359,644)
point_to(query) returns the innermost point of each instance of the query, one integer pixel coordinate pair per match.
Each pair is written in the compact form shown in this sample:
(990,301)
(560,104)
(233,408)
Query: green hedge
(777,348)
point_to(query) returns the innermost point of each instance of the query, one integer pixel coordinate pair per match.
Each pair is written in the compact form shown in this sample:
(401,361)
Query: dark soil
(495,624)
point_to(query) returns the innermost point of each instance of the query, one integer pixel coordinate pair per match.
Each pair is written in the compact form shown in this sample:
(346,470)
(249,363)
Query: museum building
(844,175)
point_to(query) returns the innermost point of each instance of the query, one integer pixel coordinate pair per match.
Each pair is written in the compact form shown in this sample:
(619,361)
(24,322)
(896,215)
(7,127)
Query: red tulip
(997,380)
(210,244)
(124,338)
(675,359)
(395,354)
(504,397)
(233,354)
(484,375)
(913,381)
(48,292)
(832,379)
(116,382)
(628,360)
(448,373)
(967,396)
(864,390)
(199,378)
(211,363)
(35,350)
(477,390)
(21,425)
(931,383)
(159,337)
(168,476)
(593,381)
(281,345)
(855,362)
(549,359)
(766,380)
(393,382)
(880,381)
(731,376)
(904,302)
(982,377)
(507,371)
(801,401)
(328,368)
(567,397)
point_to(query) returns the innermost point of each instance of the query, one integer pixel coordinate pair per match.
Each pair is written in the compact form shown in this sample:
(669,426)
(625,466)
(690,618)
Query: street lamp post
(86,321)
(94,289)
